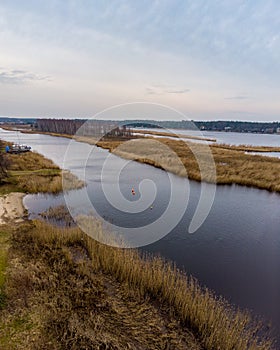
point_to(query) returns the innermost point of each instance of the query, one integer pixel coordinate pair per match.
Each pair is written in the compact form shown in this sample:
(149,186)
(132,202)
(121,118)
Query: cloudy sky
(210,59)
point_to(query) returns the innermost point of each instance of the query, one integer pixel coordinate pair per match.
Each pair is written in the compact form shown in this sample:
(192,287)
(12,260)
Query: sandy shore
(11,208)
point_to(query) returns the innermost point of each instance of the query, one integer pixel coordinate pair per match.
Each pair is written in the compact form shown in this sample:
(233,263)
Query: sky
(209,59)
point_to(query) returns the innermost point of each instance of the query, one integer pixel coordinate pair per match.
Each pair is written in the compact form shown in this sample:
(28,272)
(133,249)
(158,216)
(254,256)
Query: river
(236,251)
(229,138)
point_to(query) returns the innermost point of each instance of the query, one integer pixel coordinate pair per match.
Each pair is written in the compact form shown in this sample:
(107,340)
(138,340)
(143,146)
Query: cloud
(17,76)
(158,89)
(180,91)
(238,97)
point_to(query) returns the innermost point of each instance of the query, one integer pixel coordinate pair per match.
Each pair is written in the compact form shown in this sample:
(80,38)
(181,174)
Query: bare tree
(3,163)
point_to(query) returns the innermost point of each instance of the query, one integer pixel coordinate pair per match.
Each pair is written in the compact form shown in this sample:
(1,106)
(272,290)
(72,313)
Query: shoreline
(80,266)
(232,164)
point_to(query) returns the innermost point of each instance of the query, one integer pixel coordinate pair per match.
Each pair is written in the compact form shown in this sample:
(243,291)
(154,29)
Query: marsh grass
(64,301)
(173,134)
(58,215)
(4,246)
(247,148)
(31,172)
(211,320)
(231,164)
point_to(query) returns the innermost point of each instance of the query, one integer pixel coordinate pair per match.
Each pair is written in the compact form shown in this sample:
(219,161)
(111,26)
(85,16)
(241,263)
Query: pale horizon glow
(215,60)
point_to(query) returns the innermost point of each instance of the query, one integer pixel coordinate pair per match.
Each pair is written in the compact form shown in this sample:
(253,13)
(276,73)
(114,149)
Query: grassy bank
(31,172)
(232,164)
(60,289)
(176,135)
(64,301)
(71,292)
(4,247)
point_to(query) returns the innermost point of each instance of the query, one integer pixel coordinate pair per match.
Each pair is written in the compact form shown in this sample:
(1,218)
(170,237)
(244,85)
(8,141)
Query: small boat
(17,148)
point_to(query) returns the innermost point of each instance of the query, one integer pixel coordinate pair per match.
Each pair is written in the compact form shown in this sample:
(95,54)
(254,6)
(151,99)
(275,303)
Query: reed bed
(58,215)
(247,148)
(233,165)
(4,247)
(213,164)
(58,300)
(29,161)
(31,172)
(173,134)
(211,319)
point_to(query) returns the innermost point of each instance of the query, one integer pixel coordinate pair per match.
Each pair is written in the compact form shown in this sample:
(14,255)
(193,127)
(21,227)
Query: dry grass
(31,172)
(176,135)
(247,148)
(88,295)
(4,246)
(58,215)
(30,161)
(59,299)
(231,166)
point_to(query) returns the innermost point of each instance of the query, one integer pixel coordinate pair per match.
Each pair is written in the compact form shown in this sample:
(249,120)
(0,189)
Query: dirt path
(11,208)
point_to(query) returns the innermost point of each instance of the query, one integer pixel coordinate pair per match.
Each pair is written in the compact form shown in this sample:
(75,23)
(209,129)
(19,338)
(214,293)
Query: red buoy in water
(132,191)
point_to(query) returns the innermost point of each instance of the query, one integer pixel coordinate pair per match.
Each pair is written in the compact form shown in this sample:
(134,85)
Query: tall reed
(212,319)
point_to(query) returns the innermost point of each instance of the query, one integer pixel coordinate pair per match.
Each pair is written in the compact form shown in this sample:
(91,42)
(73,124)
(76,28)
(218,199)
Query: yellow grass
(231,166)
(176,135)
(4,246)
(210,319)
(57,299)
(247,148)
(31,172)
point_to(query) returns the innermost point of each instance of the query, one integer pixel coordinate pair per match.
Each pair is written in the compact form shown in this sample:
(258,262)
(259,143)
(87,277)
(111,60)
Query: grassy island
(230,165)
(223,164)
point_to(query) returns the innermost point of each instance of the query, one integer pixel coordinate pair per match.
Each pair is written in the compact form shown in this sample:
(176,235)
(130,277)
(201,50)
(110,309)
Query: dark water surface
(236,251)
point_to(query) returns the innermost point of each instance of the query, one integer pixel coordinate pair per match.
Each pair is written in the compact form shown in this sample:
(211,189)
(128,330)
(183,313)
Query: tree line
(99,128)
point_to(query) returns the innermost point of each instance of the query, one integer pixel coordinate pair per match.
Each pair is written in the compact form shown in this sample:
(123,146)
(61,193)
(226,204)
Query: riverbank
(220,164)
(68,291)
(173,135)
(61,299)
(31,172)
(64,290)
(212,164)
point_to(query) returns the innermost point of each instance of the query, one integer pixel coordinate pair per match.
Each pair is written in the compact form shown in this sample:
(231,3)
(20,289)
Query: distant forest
(220,125)
(70,126)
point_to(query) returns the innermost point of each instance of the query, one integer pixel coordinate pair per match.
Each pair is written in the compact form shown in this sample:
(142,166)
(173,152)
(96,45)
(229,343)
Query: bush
(3,163)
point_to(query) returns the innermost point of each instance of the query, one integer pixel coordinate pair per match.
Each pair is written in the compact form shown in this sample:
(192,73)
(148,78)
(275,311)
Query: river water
(236,251)
(230,138)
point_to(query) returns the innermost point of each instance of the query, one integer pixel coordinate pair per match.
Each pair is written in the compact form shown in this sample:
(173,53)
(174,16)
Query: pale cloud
(18,76)
(178,91)
(161,89)
(238,97)
(215,56)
